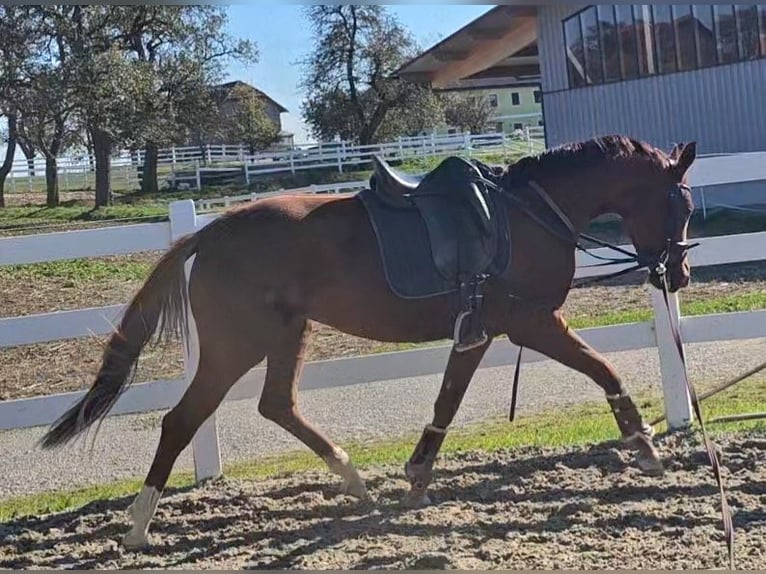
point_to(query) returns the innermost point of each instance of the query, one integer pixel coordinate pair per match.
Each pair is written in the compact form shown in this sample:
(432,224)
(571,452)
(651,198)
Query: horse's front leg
(457,376)
(549,334)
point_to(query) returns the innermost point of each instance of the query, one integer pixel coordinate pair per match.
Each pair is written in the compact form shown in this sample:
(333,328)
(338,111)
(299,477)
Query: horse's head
(657,214)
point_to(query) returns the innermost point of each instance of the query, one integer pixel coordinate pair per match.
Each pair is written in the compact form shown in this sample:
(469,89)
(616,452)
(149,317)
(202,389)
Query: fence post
(199,176)
(247,173)
(205,447)
(340,160)
(678,408)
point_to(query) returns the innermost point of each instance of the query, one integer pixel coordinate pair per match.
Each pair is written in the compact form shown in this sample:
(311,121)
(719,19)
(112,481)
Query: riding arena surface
(577,507)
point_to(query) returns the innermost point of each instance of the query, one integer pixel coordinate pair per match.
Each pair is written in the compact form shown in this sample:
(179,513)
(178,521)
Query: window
(614,42)
(540,123)
(607,25)
(492,99)
(683,27)
(627,40)
(515,99)
(574,52)
(747,30)
(538,96)
(645,34)
(762,13)
(726,33)
(499,127)
(518,126)
(704,34)
(593,69)
(664,39)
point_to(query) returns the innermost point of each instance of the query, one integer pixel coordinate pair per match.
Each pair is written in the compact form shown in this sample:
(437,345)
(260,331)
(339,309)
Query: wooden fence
(184,219)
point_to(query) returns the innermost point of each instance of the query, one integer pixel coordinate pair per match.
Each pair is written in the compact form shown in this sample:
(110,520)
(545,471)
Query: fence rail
(183,219)
(194,166)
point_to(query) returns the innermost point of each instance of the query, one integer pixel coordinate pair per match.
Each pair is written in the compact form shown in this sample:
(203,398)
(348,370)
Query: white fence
(227,200)
(193,166)
(158,395)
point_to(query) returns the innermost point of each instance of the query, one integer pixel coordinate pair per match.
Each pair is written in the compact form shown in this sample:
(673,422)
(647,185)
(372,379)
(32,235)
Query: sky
(284,36)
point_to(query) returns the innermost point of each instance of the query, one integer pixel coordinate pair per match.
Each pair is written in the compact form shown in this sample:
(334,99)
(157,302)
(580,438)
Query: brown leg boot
(636,434)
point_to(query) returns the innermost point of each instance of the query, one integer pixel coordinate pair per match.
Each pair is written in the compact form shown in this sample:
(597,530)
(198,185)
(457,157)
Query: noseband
(657,262)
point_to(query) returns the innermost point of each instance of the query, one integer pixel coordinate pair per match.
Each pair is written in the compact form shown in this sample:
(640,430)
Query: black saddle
(440,232)
(385,178)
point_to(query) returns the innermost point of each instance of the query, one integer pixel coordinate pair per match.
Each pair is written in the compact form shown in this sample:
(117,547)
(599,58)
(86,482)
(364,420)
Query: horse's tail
(162,300)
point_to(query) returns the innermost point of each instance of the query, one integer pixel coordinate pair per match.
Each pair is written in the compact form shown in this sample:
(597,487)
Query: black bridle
(656,262)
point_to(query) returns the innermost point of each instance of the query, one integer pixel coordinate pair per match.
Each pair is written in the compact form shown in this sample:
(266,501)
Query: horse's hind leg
(279,404)
(219,368)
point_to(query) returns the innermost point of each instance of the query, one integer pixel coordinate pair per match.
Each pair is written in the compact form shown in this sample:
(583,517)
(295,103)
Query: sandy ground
(584,507)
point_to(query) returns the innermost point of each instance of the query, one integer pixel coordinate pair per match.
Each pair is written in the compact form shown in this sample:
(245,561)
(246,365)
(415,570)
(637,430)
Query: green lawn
(132,204)
(83,270)
(78,271)
(583,424)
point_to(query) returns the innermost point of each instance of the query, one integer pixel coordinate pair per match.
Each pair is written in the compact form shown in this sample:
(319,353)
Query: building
(513,107)
(228,96)
(661,73)
(511,86)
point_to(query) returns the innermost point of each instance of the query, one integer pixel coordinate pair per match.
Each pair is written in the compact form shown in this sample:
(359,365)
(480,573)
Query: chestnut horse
(265,271)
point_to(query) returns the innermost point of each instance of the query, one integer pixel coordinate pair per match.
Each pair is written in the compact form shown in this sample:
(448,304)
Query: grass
(582,424)
(133,204)
(726,304)
(82,270)
(78,271)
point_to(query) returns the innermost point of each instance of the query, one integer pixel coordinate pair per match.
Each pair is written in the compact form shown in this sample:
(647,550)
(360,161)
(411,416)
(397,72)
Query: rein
(657,264)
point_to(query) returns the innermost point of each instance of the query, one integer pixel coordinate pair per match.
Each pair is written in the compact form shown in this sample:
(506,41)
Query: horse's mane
(589,153)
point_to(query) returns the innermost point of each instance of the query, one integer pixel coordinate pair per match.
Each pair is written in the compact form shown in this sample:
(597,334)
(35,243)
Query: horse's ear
(676,151)
(682,156)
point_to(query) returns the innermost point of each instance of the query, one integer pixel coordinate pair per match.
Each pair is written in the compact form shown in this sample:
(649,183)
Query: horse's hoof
(356,489)
(650,465)
(416,500)
(134,541)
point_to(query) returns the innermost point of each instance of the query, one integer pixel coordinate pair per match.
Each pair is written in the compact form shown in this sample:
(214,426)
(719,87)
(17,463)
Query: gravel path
(125,445)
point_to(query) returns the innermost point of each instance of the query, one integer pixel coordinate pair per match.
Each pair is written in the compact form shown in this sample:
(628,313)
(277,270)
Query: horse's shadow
(288,534)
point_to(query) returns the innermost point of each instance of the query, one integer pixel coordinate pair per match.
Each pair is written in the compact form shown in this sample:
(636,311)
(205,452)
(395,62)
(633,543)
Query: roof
(501,43)
(229,86)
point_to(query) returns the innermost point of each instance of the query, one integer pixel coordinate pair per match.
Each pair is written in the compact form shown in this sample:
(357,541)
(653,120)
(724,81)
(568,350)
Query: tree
(347,76)
(466,112)
(17,37)
(47,114)
(9,138)
(183,49)
(249,123)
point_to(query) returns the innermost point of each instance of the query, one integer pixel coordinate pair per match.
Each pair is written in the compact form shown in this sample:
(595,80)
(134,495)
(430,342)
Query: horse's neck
(581,198)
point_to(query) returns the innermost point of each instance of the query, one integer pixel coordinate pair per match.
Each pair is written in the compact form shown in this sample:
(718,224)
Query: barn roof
(229,86)
(498,46)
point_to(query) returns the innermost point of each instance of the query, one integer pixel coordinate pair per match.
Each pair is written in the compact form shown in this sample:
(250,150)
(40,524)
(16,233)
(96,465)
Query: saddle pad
(405,250)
